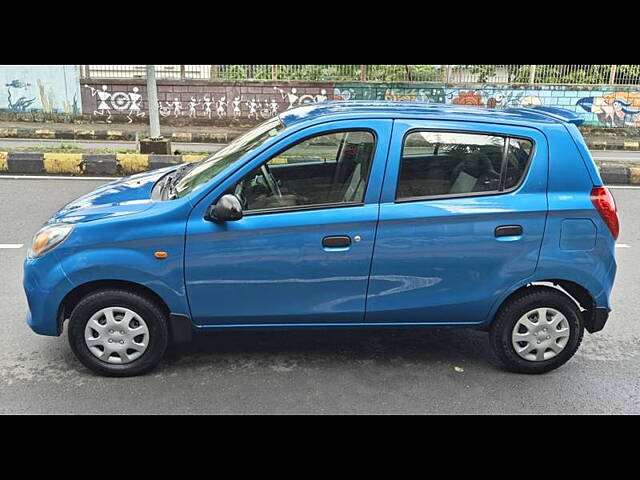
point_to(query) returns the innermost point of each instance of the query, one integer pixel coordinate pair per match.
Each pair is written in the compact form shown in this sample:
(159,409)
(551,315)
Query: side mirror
(226,209)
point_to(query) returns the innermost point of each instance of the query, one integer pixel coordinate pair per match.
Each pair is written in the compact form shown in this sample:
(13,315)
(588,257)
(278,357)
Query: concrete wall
(198,102)
(40,88)
(604,106)
(202,103)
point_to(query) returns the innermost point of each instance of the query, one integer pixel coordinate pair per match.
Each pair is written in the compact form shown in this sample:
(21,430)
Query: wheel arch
(576,292)
(177,323)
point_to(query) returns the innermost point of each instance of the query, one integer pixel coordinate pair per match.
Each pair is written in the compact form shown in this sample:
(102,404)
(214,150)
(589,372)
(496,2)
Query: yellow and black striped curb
(87,164)
(129,163)
(593,144)
(619,174)
(83,133)
(110,134)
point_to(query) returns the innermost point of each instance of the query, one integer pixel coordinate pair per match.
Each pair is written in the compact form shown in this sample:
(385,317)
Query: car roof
(335,110)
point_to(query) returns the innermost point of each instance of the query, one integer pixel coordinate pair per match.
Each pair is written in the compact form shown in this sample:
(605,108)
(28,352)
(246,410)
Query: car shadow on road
(310,346)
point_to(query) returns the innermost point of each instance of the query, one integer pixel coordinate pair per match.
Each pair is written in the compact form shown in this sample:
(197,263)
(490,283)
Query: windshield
(206,169)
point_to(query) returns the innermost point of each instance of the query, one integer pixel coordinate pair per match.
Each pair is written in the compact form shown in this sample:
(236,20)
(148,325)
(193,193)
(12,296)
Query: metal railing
(450,74)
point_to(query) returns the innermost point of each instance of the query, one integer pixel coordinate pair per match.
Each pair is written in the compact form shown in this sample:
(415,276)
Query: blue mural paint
(40,88)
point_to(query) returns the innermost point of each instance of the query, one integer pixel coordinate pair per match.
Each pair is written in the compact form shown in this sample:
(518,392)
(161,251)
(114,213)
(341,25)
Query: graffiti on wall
(190,102)
(253,102)
(493,98)
(127,103)
(602,108)
(616,109)
(39,89)
(393,92)
(16,103)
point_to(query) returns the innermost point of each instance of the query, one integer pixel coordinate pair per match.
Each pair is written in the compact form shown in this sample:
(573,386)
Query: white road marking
(631,187)
(53,177)
(622,245)
(11,245)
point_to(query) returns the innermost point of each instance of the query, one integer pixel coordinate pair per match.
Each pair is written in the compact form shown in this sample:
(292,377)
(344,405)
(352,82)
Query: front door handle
(336,241)
(508,230)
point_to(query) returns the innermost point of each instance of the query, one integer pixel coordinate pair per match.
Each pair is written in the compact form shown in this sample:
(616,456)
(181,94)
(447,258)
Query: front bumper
(45,286)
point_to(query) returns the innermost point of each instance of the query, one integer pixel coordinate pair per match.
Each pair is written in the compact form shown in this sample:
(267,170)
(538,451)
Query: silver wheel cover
(116,335)
(540,334)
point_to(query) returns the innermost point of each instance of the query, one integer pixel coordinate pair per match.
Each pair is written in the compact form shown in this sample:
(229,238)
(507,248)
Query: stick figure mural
(294,99)
(290,97)
(177,107)
(274,108)
(127,103)
(221,110)
(253,108)
(103,106)
(135,107)
(208,101)
(322,96)
(192,107)
(236,107)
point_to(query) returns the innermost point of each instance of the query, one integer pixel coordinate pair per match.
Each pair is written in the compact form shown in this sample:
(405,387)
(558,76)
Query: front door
(462,216)
(302,252)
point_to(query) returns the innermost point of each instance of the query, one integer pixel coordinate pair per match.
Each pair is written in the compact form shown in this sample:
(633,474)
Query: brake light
(605,204)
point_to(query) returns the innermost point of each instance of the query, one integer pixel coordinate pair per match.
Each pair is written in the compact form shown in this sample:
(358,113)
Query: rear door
(462,217)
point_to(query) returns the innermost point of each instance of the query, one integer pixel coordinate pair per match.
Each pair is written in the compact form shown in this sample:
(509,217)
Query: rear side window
(457,163)
(518,156)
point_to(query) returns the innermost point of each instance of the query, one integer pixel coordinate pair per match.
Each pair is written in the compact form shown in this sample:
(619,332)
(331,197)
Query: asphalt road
(338,371)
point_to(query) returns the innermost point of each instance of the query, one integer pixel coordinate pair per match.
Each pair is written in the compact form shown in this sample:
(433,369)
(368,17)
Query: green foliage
(233,72)
(561,74)
(624,73)
(591,74)
(484,72)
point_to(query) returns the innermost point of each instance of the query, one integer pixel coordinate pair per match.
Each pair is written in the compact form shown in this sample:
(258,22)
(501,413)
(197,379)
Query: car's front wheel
(118,333)
(537,330)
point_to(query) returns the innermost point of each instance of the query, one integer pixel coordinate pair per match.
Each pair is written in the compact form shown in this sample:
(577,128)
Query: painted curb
(204,137)
(607,145)
(109,134)
(122,164)
(87,164)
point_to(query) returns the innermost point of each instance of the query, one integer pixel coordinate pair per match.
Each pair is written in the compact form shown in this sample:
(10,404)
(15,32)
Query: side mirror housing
(227,209)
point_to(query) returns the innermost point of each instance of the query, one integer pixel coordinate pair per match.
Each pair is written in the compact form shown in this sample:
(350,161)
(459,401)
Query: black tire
(152,314)
(518,305)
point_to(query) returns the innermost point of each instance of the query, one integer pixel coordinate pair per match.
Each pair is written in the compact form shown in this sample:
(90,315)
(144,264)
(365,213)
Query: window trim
(501,190)
(318,206)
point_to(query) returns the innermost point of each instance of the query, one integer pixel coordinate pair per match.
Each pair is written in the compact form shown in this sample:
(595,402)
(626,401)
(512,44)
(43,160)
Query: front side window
(201,172)
(326,169)
(453,163)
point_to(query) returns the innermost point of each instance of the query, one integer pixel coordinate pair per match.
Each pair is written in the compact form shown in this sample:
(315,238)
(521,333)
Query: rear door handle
(336,241)
(508,230)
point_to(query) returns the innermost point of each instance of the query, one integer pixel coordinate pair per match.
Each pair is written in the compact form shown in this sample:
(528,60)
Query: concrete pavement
(338,371)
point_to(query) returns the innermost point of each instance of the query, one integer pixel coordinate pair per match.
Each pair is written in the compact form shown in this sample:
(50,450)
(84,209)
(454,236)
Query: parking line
(622,245)
(11,245)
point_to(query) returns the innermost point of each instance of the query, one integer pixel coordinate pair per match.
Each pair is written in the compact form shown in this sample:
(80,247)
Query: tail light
(605,204)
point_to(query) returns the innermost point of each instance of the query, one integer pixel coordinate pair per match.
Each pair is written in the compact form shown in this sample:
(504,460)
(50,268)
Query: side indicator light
(161,254)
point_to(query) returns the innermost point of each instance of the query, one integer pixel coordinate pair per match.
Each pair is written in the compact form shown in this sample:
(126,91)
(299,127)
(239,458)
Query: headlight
(48,238)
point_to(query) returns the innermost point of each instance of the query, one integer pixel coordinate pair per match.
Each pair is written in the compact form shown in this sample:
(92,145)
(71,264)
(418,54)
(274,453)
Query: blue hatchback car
(341,214)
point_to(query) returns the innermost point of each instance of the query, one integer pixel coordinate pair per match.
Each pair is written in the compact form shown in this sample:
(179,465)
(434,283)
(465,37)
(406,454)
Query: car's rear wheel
(537,330)
(118,333)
